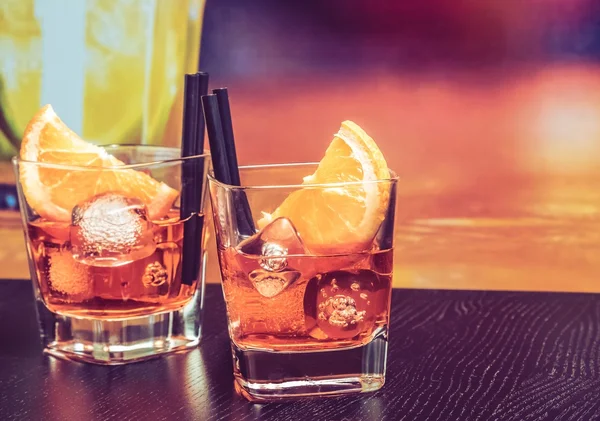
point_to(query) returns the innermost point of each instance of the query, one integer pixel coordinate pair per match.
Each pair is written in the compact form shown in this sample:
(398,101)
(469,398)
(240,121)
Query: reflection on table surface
(498,171)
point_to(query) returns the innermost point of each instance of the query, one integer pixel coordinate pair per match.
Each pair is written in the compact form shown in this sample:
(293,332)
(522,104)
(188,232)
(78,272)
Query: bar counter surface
(454,355)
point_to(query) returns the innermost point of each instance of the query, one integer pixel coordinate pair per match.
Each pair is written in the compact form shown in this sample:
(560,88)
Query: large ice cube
(264,257)
(111,230)
(339,304)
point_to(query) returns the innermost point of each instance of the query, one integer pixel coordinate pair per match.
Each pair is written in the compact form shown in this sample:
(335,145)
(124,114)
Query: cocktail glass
(302,322)
(119,282)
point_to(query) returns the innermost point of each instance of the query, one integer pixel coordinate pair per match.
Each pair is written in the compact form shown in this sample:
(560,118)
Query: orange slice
(52,191)
(341,218)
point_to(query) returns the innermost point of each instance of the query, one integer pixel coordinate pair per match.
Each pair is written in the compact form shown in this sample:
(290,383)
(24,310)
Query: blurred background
(488,110)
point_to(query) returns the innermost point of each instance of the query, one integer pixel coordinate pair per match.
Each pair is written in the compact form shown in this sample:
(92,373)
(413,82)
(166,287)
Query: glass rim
(392,179)
(17,160)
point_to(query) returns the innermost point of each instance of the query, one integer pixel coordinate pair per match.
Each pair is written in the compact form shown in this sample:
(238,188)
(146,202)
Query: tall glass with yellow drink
(111,68)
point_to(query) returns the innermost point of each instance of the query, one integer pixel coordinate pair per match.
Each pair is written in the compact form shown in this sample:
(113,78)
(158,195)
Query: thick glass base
(262,375)
(113,342)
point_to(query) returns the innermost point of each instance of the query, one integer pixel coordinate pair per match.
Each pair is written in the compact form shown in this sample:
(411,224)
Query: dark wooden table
(454,355)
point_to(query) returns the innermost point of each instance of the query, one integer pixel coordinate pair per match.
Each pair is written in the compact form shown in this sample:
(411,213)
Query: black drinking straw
(227,125)
(234,173)
(219,155)
(216,139)
(191,175)
(199,169)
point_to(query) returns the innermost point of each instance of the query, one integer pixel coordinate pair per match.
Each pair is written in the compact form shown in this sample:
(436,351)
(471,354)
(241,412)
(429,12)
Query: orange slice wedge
(341,218)
(53,190)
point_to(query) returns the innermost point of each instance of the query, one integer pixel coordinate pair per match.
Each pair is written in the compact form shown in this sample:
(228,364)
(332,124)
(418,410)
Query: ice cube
(269,284)
(264,257)
(110,28)
(273,243)
(111,230)
(339,304)
(67,276)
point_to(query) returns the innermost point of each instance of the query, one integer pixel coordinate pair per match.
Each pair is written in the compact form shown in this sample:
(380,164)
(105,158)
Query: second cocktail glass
(303,320)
